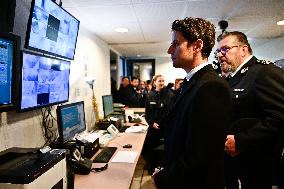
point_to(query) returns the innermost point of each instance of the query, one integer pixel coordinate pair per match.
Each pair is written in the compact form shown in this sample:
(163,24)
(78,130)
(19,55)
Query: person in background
(149,86)
(157,106)
(255,139)
(133,95)
(123,90)
(178,83)
(195,130)
(142,85)
(170,86)
(142,88)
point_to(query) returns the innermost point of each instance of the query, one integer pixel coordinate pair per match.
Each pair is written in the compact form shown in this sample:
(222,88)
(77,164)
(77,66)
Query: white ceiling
(149,21)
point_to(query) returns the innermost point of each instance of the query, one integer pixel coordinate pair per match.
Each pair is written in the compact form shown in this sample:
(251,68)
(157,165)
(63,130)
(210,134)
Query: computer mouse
(127,146)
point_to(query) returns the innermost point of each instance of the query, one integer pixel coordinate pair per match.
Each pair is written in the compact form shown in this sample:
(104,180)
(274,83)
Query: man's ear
(198,45)
(244,50)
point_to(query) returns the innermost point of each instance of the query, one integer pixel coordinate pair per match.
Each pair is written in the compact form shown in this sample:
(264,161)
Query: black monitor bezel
(104,96)
(15,70)
(59,120)
(20,84)
(29,26)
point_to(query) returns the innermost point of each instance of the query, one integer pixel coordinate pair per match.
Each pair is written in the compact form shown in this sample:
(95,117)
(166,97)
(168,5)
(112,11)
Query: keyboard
(105,155)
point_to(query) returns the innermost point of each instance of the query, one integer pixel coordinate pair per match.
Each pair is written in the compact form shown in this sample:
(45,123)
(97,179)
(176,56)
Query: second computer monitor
(108,105)
(71,120)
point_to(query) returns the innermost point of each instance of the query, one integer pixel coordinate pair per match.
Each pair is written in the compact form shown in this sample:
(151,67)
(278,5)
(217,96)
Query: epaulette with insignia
(264,62)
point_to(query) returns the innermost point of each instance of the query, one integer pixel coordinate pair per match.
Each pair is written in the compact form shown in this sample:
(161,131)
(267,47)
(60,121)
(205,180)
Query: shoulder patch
(264,62)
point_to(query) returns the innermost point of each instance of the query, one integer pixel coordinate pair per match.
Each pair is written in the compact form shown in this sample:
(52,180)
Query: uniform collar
(240,66)
(242,72)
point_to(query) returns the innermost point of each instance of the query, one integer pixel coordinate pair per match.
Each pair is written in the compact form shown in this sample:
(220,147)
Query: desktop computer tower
(88,149)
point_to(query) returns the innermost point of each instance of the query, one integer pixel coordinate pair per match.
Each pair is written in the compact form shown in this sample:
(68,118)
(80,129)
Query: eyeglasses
(99,169)
(225,49)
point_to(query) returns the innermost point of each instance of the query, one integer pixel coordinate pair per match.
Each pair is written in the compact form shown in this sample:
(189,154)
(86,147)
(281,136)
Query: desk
(118,175)
(137,110)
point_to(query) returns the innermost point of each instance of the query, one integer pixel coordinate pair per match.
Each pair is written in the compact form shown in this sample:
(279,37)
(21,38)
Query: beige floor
(141,178)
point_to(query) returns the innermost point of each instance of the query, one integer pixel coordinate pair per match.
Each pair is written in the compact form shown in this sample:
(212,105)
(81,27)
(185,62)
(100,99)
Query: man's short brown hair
(197,28)
(241,37)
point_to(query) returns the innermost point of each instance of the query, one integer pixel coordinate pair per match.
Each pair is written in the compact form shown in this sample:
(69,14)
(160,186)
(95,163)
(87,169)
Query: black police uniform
(157,107)
(257,92)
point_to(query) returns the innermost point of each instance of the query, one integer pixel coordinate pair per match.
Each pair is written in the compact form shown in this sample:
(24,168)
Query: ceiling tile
(159,11)
(149,21)
(92,3)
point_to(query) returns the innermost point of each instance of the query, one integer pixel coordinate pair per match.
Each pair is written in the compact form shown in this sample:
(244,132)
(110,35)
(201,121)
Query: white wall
(92,57)
(272,50)
(164,66)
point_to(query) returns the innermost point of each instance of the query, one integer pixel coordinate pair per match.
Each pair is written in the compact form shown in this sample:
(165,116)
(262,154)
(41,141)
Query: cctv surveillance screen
(45,81)
(52,29)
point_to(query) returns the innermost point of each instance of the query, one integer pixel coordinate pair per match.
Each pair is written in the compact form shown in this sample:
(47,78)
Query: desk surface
(141,110)
(118,175)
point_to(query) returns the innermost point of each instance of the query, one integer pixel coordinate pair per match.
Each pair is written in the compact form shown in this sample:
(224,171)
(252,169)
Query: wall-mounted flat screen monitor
(71,120)
(108,105)
(44,81)
(9,63)
(52,30)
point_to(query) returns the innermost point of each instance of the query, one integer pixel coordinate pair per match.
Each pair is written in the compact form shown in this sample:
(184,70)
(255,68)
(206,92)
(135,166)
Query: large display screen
(9,58)
(107,105)
(52,29)
(71,120)
(44,81)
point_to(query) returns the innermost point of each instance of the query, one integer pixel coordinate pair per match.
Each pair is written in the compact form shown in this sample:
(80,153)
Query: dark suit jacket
(194,139)
(132,98)
(257,92)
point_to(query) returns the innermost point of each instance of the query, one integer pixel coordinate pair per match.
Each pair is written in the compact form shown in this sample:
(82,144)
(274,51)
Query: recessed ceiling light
(121,30)
(280,23)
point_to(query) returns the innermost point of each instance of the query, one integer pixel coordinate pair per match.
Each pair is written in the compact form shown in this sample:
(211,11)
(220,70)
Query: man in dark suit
(133,95)
(195,130)
(255,139)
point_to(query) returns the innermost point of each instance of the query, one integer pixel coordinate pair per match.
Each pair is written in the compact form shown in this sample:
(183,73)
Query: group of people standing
(222,132)
(218,131)
(132,93)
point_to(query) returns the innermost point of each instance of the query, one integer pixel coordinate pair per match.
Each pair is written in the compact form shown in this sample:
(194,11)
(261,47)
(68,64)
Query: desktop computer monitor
(108,105)
(71,120)
(9,63)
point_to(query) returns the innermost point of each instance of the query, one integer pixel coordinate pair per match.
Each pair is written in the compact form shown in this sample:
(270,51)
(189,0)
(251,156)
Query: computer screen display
(52,29)
(108,105)
(71,120)
(44,81)
(9,60)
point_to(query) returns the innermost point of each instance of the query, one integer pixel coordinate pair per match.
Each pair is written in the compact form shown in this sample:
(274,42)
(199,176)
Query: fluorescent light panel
(280,23)
(121,30)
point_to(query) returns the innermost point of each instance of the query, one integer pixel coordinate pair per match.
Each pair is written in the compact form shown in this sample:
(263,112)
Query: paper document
(136,129)
(124,157)
(90,137)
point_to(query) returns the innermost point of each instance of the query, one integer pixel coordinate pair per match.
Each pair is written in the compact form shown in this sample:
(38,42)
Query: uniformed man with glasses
(255,139)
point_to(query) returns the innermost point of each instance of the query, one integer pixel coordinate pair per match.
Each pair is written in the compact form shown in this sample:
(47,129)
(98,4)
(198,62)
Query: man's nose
(170,50)
(219,54)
